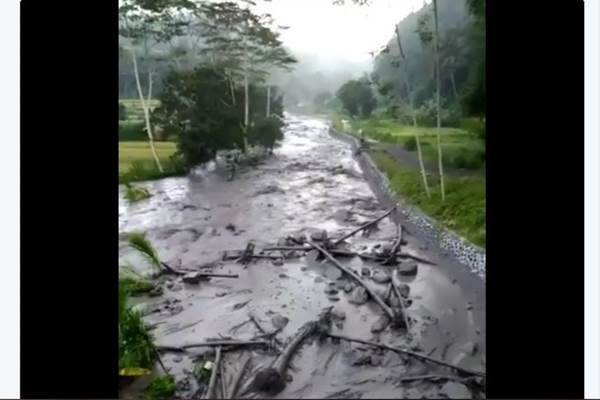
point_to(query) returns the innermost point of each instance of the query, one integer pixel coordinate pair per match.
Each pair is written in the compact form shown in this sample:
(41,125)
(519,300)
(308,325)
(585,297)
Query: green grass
(136,344)
(139,242)
(135,287)
(463,211)
(137,164)
(136,193)
(461,148)
(161,388)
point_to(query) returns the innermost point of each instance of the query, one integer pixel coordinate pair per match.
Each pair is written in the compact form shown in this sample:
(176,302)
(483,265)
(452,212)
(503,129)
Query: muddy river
(311,183)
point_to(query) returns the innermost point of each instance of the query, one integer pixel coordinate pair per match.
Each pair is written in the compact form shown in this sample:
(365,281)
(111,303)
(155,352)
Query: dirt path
(312,183)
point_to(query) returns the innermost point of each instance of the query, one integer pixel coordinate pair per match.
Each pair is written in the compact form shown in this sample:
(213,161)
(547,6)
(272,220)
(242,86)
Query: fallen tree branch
(432,377)
(222,381)
(212,387)
(238,379)
(408,353)
(357,278)
(212,343)
(392,257)
(272,379)
(401,302)
(364,226)
(248,253)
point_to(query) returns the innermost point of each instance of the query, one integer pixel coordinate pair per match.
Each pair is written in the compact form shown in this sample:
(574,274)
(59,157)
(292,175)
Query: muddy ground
(312,183)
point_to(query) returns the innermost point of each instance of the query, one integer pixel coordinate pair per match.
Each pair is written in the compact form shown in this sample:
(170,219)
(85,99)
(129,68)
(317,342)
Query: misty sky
(346,32)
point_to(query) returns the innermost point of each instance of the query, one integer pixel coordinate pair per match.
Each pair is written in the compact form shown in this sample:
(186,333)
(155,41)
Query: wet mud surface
(311,183)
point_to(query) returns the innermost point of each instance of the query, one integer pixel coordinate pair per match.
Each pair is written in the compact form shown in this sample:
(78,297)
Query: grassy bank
(136,162)
(462,147)
(463,211)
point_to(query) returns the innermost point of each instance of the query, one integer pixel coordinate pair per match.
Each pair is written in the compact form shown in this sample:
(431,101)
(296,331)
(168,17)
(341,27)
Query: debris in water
(407,268)
(380,277)
(358,296)
(381,323)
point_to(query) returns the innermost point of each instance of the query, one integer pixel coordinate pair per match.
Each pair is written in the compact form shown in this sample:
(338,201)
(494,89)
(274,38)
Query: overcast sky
(346,32)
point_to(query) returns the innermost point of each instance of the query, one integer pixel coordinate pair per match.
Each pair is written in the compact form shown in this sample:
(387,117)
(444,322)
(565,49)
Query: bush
(410,144)
(132,131)
(265,132)
(161,388)
(147,170)
(136,346)
(467,159)
(136,193)
(122,112)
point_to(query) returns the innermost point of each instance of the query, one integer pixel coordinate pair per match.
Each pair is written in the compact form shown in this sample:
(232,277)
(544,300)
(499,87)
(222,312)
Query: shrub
(134,286)
(468,159)
(132,131)
(136,346)
(265,132)
(122,112)
(410,144)
(135,193)
(161,388)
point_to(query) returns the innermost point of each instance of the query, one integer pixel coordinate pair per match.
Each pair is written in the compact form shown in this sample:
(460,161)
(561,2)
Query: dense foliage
(357,98)
(198,109)
(462,62)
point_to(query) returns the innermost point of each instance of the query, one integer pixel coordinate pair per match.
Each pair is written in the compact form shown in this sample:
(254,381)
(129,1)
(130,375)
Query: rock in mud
(230,227)
(156,291)
(341,215)
(338,313)
(318,279)
(278,262)
(169,284)
(176,287)
(376,360)
(192,278)
(319,235)
(381,323)
(269,189)
(380,277)
(455,390)
(469,348)
(407,268)
(333,297)
(340,284)
(330,290)
(404,290)
(365,271)
(348,287)
(279,321)
(358,296)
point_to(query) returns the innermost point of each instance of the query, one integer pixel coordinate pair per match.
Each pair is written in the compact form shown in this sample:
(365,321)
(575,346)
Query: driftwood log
(238,378)
(419,356)
(212,384)
(391,260)
(272,379)
(184,347)
(357,278)
(364,226)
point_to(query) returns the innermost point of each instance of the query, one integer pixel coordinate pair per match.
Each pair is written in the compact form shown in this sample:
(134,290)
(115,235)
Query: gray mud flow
(311,183)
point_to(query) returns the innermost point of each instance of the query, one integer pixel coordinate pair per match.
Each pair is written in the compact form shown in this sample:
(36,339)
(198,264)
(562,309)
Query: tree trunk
(146,107)
(231,88)
(414,116)
(453,85)
(437,79)
(268,101)
(246,110)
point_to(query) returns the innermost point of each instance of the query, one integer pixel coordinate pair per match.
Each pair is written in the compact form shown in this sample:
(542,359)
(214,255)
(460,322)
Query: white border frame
(592,199)
(10,285)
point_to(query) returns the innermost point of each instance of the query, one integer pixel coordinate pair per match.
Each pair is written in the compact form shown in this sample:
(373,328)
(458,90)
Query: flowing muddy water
(311,183)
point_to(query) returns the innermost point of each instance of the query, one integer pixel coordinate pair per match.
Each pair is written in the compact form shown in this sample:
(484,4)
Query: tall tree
(414,112)
(437,82)
(148,22)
